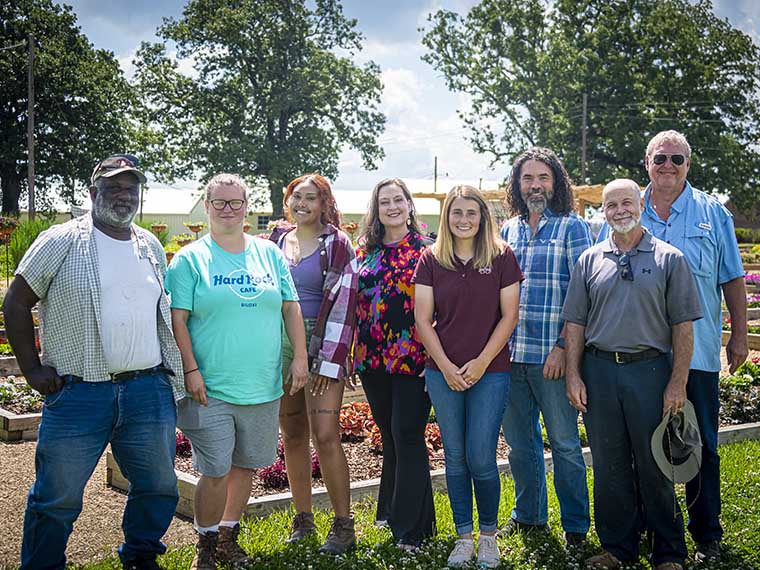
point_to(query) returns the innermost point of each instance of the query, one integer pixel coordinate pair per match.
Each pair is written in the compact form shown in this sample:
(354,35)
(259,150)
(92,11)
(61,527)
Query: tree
(81,102)
(646,65)
(274,91)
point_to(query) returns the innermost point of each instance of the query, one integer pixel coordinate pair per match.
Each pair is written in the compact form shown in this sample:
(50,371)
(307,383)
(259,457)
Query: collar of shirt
(679,206)
(645,244)
(546,215)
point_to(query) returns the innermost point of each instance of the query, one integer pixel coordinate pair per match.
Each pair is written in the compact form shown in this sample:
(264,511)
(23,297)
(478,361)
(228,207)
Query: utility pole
(583,138)
(435,174)
(30,127)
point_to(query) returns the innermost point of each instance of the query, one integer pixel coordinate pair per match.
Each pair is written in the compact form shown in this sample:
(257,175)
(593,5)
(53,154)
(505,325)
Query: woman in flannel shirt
(323,266)
(466,300)
(390,359)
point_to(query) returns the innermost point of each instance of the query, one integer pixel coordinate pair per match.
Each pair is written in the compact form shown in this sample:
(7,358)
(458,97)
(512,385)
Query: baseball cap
(677,445)
(116,164)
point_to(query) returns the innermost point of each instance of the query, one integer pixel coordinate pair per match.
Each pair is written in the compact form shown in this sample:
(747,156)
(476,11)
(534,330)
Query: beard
(623,227)
(537,204)
(104,210)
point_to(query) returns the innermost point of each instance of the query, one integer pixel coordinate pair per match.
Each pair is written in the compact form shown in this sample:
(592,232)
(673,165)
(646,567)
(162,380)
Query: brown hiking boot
(341,537)
(603,561)
(302,526)
(205,552)
(228,550)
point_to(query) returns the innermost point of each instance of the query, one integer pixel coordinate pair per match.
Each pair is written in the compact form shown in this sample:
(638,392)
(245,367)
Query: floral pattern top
(386,337)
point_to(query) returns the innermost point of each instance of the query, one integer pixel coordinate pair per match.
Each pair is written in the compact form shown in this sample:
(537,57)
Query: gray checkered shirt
(61,267)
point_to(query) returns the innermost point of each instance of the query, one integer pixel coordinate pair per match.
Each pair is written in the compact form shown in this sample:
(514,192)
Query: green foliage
(646,66)
(81,102)
(26,232)
(748,235)
(163,236)
(17,392)
(275,86)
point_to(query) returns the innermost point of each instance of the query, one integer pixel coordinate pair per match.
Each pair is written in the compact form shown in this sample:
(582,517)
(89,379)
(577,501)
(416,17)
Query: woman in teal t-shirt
(229,291)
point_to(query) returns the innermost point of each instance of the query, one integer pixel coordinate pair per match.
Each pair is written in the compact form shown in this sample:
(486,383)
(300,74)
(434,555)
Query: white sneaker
(462,553)
(488,551)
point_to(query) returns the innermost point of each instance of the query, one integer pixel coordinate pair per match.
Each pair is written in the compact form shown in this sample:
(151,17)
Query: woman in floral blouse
(390,360)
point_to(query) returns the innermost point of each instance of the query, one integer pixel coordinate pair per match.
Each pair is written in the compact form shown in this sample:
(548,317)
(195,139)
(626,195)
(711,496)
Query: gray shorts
(225,434)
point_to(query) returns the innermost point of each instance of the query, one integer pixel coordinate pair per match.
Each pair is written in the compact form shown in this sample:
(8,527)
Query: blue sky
(422,119)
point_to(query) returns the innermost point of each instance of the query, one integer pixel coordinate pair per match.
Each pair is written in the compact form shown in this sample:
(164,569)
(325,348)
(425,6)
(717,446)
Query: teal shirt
(235,322)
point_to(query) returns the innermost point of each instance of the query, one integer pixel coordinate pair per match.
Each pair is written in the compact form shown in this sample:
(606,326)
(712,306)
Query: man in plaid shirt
(547,238)
(110,369)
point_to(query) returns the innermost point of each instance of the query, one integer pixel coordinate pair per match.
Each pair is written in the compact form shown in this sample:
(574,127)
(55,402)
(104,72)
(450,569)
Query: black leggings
(400,406)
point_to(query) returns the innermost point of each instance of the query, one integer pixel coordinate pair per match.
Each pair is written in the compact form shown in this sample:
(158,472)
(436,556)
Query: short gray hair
(226,179)
(669,136)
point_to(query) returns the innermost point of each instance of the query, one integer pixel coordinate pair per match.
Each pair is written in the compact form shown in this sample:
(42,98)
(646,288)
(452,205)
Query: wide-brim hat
(115,165)
(677,445)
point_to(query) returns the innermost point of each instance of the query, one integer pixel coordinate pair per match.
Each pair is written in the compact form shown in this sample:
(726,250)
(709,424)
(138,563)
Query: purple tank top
(307,276)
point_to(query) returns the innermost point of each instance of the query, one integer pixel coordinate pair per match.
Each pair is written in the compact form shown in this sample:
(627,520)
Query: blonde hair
(226,179)
(488,242)
(671,137)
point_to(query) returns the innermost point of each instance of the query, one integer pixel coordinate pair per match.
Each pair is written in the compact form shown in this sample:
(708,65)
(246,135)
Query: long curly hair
(330,213)
(562,203)
(373,231)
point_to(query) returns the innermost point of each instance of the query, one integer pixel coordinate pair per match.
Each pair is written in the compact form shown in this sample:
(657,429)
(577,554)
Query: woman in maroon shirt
(390,360)
(468,285)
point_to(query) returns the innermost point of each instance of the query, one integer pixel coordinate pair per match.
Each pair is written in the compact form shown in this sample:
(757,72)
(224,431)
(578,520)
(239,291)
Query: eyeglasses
(677,159)
(624,262)
(221,204)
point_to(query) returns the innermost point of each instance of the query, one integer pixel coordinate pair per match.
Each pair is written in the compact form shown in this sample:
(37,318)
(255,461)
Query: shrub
(184,447)
(356,421)
(275,476)
(25,234)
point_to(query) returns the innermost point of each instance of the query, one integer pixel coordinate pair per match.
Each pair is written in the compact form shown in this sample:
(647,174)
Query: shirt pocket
(701,250)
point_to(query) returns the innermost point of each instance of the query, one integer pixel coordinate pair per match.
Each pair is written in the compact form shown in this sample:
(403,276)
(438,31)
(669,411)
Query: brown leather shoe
(228,550)
(341,537)
(205,552)
(301,527)
(603,561)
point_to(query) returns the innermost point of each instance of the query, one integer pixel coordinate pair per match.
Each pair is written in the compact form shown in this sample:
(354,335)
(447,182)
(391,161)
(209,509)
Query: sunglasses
(221,204)
(677,159)
(624,262)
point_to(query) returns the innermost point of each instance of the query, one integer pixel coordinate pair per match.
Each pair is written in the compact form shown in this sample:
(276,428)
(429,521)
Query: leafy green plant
(163,235)
(25,234)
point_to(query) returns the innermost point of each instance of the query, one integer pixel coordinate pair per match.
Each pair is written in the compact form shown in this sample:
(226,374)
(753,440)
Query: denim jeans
(624,408)
(469,423)
(703,492)
(529,394)
(137,417)
(401,406)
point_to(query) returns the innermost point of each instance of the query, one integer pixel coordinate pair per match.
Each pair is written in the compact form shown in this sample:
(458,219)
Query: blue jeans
(703,492)
(529,394)
(469,423)
(624,408)
(137,417)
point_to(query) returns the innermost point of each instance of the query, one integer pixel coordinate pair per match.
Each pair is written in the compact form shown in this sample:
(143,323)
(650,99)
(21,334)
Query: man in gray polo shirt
(631,300)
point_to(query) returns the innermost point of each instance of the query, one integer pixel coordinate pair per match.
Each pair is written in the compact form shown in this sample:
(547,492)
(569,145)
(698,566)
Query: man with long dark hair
(547,238)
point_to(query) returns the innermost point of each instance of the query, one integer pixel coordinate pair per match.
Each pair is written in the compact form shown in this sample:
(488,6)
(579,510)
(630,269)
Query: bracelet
(193,370)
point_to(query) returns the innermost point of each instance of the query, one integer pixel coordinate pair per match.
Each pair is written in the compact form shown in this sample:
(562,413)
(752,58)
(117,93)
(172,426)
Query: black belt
(132,374)
(624,357)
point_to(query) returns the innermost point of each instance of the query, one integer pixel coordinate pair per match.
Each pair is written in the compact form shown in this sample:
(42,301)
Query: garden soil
(97,533)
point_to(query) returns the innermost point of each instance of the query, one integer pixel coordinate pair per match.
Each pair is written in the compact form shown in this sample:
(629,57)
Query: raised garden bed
(19,410)
(753,340)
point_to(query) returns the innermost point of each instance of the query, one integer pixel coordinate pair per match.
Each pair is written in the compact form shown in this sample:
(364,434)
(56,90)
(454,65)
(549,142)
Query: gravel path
(97,532)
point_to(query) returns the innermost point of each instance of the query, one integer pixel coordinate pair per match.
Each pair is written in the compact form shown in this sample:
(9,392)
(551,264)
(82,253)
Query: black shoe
(514,526)
(575,539)
(142,563)
(707,551)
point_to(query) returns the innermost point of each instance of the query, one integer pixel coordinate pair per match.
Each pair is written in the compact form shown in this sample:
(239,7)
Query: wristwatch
(560,342)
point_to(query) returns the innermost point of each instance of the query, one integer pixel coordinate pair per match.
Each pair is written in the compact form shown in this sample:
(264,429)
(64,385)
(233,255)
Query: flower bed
(19,410)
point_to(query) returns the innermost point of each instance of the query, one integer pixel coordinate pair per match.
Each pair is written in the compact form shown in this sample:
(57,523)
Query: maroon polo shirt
(467,305)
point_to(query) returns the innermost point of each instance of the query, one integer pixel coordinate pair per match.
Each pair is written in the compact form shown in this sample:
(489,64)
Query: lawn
(375,551)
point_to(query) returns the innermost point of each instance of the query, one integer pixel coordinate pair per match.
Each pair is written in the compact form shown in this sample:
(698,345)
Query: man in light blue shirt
(703,230)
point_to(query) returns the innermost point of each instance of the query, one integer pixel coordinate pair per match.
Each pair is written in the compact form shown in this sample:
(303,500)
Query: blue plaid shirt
(547,260)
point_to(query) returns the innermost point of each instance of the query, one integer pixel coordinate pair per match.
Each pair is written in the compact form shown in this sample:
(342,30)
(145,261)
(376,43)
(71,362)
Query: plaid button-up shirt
(61,267)
(547,260)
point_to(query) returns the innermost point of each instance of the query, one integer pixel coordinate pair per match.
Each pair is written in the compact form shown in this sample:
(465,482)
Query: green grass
(375,551)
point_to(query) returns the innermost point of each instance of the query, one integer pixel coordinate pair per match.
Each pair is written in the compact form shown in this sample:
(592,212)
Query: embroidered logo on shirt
(484,271)
(705,226)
